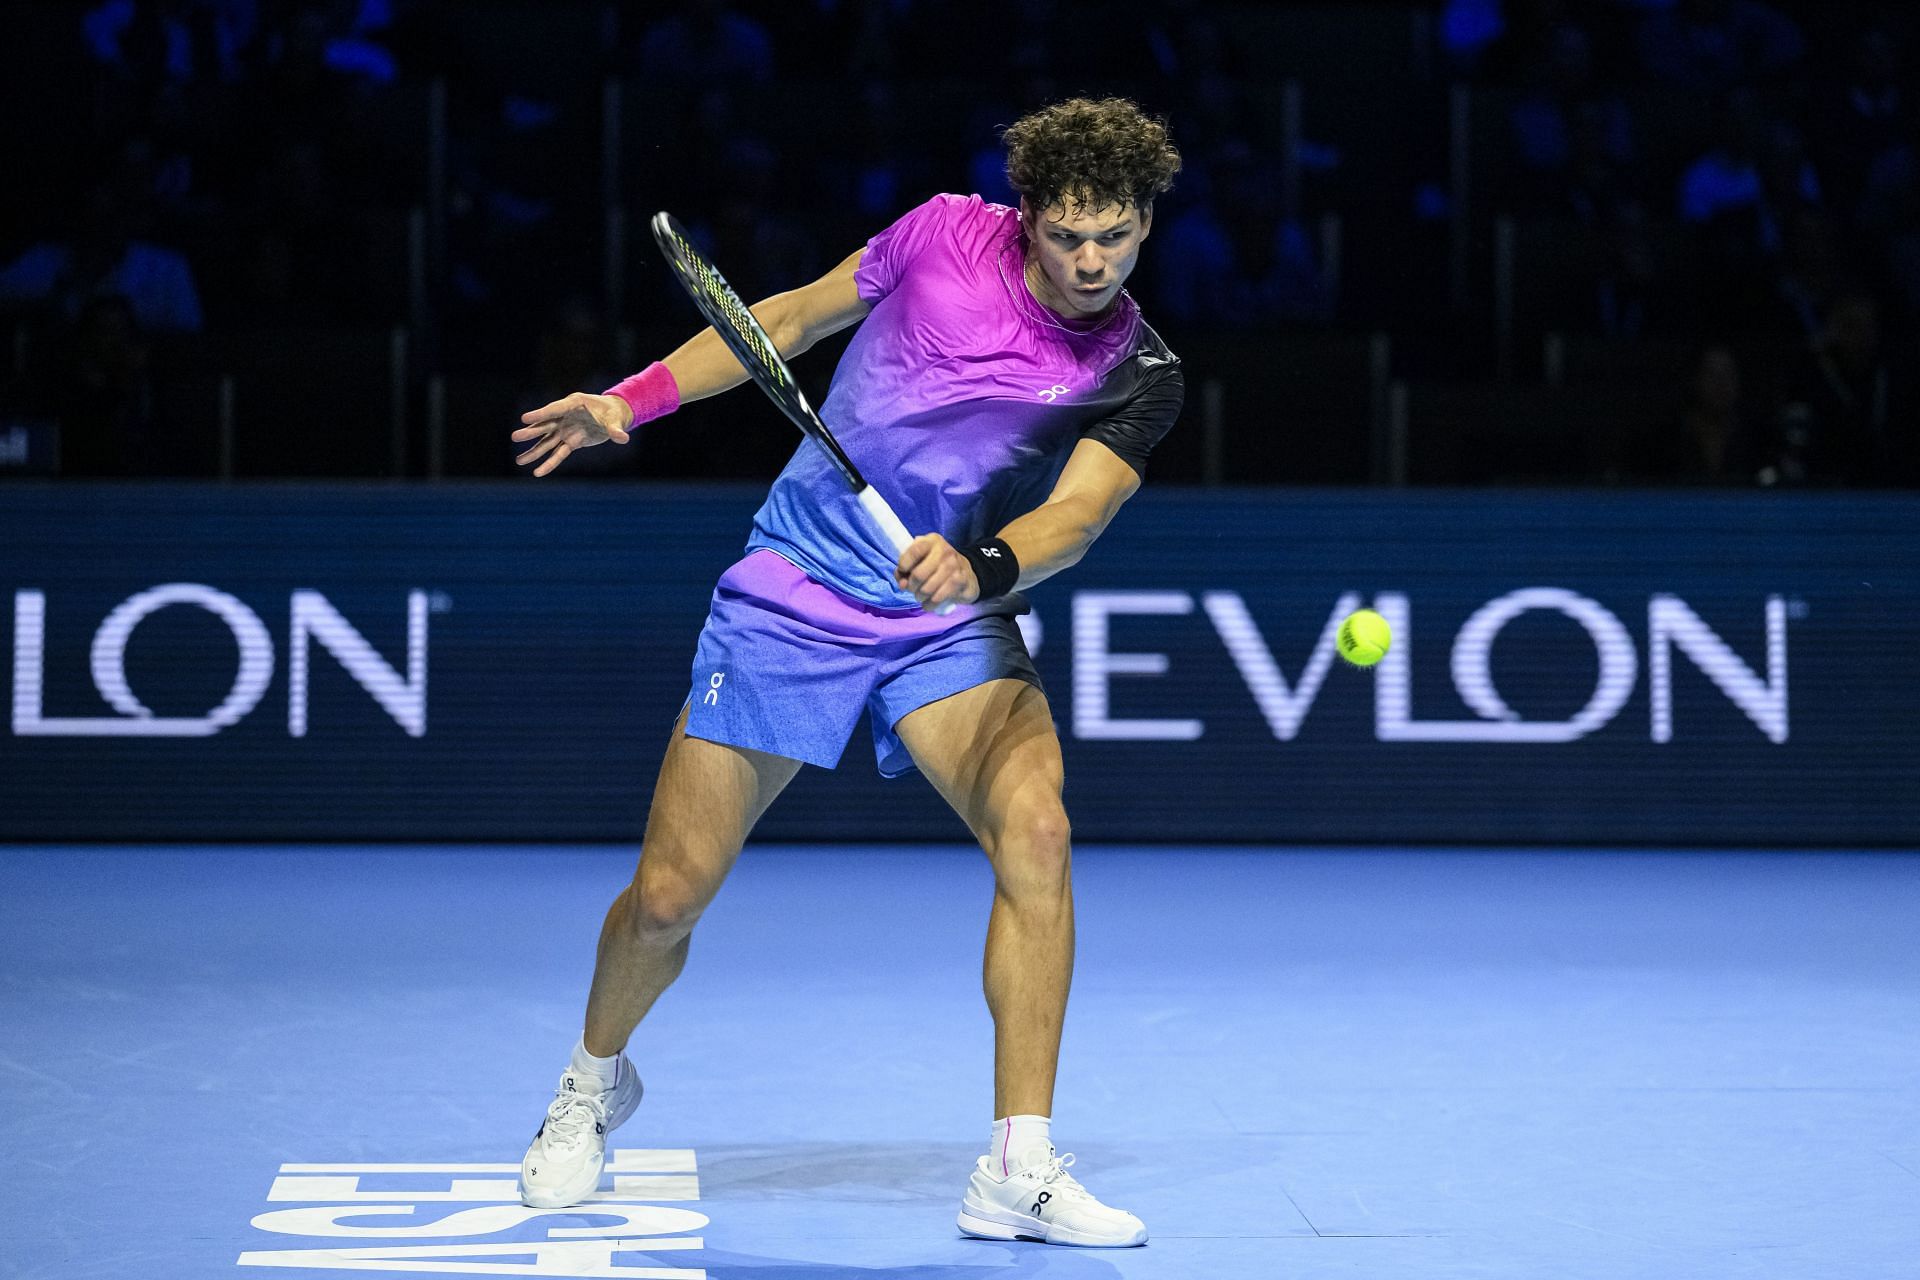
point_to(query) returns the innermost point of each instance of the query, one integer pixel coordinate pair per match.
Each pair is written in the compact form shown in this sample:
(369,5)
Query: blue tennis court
(1289,1062)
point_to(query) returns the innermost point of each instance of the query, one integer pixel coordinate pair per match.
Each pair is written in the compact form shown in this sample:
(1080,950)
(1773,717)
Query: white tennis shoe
(563,1164)
(1043,1202)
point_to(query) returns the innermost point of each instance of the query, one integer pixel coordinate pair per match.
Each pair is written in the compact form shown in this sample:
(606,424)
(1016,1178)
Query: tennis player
(1003,394)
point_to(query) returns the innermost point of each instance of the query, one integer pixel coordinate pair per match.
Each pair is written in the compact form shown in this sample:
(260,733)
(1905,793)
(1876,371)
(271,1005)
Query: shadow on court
(857,1172)
(1011,1261)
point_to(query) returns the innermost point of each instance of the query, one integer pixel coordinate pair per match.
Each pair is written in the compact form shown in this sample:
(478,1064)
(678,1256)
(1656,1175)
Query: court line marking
(623,1160)
(345,1189)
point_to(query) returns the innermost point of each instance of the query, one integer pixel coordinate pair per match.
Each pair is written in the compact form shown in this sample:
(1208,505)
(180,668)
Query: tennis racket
(750,345)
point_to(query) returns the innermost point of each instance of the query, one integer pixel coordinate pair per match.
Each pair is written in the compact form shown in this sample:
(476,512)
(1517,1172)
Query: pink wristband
(651,393)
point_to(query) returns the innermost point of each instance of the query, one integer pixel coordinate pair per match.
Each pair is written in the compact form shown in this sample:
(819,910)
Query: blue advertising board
(503,662)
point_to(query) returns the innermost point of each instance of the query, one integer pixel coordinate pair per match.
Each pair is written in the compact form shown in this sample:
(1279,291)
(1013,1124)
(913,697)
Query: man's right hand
(578,421)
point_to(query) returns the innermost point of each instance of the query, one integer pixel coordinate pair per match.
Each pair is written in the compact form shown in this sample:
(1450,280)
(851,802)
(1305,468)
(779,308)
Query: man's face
(1082,256)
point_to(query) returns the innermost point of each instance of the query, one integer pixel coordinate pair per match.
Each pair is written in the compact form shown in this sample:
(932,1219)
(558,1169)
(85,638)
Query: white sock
(1019,1141)
(604,1073)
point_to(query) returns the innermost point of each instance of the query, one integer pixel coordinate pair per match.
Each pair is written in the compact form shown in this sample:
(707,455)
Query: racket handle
(889,525)
(882,516)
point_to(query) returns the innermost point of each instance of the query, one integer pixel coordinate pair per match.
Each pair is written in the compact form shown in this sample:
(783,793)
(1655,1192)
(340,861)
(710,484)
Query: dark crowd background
(1478,241)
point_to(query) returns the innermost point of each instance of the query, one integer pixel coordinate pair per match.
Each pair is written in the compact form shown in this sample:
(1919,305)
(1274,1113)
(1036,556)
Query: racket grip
(883,518)
(889,525)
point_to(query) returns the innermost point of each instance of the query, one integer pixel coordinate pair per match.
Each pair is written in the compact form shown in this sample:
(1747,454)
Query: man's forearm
(703,366)
(795,320)
(1053,536)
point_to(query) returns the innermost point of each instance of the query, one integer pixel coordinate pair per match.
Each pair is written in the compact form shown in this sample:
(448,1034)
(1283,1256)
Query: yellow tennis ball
(1364,638)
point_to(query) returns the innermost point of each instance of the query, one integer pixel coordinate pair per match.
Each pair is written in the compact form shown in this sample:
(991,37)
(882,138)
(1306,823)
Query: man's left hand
(936,573)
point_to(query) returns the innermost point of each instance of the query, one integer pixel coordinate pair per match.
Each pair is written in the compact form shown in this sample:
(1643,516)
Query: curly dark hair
(1095,153)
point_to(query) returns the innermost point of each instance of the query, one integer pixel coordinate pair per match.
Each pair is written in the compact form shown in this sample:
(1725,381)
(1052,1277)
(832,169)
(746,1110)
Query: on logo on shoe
(467,1219)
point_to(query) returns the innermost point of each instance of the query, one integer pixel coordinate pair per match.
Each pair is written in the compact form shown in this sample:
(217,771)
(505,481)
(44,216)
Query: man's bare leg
(706,801)
(992,752)
(704,804)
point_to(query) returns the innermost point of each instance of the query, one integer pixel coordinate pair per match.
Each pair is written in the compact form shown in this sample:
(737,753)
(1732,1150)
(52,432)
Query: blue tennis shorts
(786,665)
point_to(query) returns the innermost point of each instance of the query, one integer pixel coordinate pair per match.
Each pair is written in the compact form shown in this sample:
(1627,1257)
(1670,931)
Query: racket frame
(747,338)
(744,335)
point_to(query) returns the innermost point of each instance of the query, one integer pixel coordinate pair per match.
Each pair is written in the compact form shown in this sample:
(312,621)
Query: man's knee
(665,902)
(1032,853)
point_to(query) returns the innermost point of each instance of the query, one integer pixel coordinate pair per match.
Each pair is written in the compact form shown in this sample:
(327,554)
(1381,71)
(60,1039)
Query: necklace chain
(1046,316)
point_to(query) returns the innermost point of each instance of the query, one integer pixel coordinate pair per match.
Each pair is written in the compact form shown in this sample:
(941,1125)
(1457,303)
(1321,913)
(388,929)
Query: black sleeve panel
(1133,429)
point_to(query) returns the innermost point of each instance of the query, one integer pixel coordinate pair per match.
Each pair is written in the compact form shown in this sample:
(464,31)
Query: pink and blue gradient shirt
(960,398)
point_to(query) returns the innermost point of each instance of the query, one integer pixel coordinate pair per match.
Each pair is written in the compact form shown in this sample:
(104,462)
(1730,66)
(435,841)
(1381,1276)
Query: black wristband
(993,565)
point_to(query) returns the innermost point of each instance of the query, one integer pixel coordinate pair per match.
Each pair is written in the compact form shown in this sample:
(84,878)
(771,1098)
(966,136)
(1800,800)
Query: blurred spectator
(1728,179)
(1229,257)
(176,40)
(709,41)
(1809,277)
(1191,71)
(1574,142)
(1185,41)
(987,164)
(1629,276)
(302,260)
(1892,221)
(756,232)
(1742,199)
(322,53)
(101,388)
(285,149)
(876,177)
(1567,114)
(344,32)
(320,79)
(1712,46)
(509,236)
(104,257)
(1864,120)
(189,42)
(1836,423)
(872,35)
(1468,28)
(1033,30)
(165,178)
(1518,40)
(1902,443)
(1713,442)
